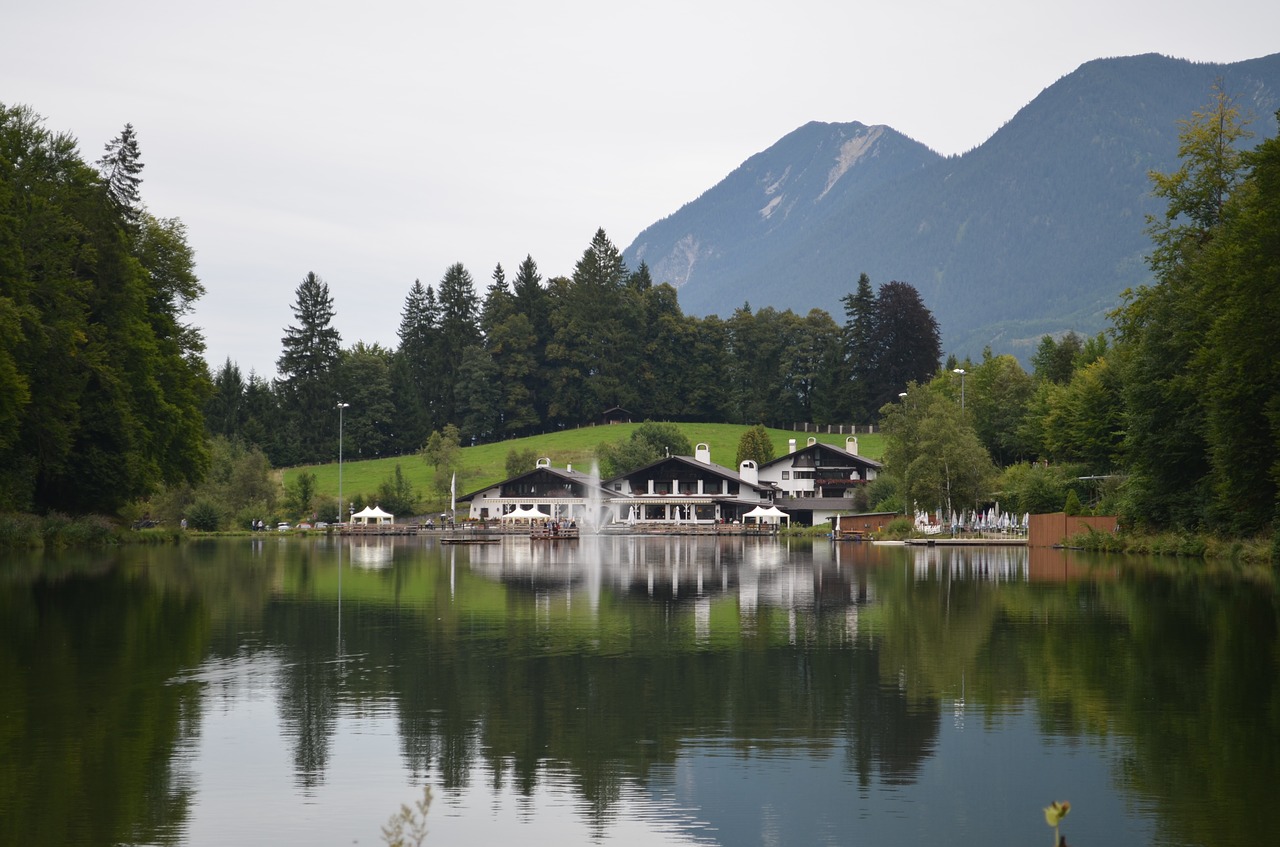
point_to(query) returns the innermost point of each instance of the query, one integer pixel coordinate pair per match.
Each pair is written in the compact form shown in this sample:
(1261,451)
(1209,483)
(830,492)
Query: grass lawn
(485,464)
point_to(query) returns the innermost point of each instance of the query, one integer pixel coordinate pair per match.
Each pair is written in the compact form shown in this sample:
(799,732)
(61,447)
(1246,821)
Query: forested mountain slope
(1037,230)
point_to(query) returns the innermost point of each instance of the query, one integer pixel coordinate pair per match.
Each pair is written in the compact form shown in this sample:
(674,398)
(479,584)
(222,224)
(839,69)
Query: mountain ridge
(1036,230)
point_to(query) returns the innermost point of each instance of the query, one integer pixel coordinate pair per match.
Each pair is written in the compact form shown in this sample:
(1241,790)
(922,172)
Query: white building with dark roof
(687,489)
(561,495)
(818,481)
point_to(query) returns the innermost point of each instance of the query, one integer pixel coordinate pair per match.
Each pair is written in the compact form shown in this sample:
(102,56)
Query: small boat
(473,540)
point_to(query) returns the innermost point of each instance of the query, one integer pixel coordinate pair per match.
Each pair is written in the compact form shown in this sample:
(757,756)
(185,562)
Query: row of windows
(688,489)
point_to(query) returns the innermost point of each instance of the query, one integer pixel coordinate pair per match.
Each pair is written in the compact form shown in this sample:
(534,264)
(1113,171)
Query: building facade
(819,481)
(687,489)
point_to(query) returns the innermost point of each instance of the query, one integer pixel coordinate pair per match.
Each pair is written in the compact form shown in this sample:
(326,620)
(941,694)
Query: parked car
(304,525)
(283,527)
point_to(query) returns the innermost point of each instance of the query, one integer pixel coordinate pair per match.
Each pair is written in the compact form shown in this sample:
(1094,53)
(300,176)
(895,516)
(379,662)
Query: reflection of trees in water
(608,720)
(886,737)
(1191,680)
(523,698)
(308,692)
(90,718)
(855,650)
(309,676)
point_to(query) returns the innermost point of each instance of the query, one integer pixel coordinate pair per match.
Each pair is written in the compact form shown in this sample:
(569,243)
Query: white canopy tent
(770,515)
(372,515)
(523,514)
(773,514)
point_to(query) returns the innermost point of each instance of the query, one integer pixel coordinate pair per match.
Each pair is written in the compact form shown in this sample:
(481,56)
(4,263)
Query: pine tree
(906,343)
(120,167)
(499,303)
(307,366)
(593,353)
(459,329)
(532,302)
(415,373)
(859,350)
(225,412)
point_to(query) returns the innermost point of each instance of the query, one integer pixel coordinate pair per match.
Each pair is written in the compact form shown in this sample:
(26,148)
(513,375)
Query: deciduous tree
(934,454)
(1160,327)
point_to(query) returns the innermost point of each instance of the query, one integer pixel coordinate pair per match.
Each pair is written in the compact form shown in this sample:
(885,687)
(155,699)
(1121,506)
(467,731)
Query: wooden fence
(1052,529)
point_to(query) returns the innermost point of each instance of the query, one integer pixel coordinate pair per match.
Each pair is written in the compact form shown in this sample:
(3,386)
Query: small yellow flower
(1055,812)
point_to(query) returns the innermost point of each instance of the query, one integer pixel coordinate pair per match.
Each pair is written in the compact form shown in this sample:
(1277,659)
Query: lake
(631,691)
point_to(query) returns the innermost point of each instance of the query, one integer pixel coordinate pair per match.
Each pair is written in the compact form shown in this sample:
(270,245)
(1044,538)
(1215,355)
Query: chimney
(812,441)
(851,444)
(569,467)
(749,473)
(791,445)
(702,453)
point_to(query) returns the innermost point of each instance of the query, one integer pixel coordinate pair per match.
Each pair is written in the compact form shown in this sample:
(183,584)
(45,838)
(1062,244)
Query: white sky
(381,141)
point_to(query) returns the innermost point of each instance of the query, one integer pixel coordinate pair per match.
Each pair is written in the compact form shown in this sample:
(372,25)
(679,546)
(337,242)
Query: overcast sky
(378,142)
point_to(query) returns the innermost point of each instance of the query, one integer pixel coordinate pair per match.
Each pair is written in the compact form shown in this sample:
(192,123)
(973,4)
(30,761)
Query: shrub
(204,516)
(899,528)
(86,531)
(19,530)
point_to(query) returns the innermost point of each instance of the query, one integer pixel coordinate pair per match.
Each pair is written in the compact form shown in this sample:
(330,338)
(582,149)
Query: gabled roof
(708,468)
(829,455)
(575,477)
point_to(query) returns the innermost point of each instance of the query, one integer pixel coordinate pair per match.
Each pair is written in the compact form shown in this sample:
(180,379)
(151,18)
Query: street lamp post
(341,406)
(961,371)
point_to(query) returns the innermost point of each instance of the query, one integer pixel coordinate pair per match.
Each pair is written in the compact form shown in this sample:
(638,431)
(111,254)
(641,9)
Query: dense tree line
(102,380)
(534,355)
(1172,418)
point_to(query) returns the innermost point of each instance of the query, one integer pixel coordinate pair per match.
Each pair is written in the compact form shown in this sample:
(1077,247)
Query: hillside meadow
(485,464)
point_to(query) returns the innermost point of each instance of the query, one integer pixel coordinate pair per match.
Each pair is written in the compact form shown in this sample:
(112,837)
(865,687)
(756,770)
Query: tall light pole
(341,406)
(961,371)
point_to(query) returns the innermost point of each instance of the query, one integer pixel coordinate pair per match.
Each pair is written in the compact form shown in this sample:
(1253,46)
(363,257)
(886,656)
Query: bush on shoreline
(55,530)
(1185,545)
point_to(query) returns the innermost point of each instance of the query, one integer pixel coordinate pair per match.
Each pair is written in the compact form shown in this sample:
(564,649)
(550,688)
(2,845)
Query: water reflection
(629,690)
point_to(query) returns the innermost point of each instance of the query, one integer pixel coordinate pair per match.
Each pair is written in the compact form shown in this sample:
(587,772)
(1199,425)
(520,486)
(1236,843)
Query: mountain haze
(1038,230)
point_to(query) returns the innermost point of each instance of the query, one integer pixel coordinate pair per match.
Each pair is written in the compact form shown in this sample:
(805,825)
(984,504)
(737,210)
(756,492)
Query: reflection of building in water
(997,564)
(371,553)
(714,578)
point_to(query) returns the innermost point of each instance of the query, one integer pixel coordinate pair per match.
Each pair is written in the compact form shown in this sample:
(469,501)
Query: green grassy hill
(486,464)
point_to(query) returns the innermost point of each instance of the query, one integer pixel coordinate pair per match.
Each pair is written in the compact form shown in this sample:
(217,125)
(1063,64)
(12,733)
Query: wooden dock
(551,532)
(948,541)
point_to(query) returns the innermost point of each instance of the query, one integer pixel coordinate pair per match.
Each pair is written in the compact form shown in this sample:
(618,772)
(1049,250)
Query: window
(786,474)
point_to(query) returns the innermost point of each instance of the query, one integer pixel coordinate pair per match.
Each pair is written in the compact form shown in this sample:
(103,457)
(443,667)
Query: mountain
(1038,230)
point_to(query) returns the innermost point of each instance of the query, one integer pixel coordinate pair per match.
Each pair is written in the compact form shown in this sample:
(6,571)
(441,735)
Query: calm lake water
(631,691)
